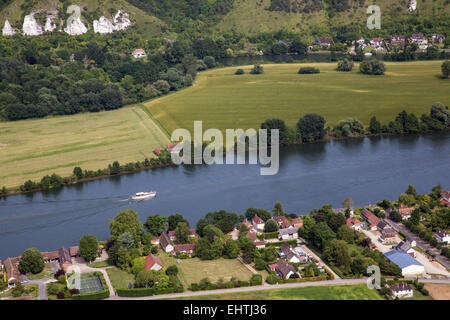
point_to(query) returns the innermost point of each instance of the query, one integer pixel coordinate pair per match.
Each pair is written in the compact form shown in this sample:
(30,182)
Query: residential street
(424,245)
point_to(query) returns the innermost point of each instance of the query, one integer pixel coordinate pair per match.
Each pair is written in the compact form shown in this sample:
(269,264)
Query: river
(368,170)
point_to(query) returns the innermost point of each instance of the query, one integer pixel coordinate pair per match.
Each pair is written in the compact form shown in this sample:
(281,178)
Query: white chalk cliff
(8,30)
(30,26)
(103,25)
(75,27)
(412,5)
(49,25)
(121,20)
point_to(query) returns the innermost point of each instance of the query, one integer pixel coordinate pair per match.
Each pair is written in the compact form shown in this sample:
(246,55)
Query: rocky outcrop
(103,25)
(8,30)
(49,25)
(121,20)
(30,26)
(412,5)
(75,27)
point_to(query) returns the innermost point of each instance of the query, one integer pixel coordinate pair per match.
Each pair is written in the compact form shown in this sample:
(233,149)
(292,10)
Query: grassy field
(224,100)
(193,270)
(119,278)
(342,292)
(30,149)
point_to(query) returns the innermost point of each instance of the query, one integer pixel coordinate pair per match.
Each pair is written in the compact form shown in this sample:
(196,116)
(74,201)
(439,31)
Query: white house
(285,270)
(290,233)
(165,242)
(153,263)
(407,246)
(139,53)
(442,236)
(289,254)
(410,266)
(258,223)
(401,290)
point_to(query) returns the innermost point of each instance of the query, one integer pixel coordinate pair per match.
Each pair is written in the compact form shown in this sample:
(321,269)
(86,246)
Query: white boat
(144,196)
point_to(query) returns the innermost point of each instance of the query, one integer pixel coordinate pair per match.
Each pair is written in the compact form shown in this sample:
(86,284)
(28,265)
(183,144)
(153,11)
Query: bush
(239,71)
(229,285)
(256,280)
(372,67)
(345,65)
(260,264)
(257,69)
(60,295)
(272,279)
(308,70)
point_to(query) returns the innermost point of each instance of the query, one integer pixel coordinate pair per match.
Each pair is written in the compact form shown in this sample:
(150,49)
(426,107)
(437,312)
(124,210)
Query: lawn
(119,278)
(224,100)
(99,264)
(342,292)
(30,149)
(193,270)
(48,272)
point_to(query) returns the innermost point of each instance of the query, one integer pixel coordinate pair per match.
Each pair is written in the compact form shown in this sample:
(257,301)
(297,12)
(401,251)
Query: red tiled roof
(281,220)
(373,219)
(138,51)
(352,222)
(151,260)
(257,220)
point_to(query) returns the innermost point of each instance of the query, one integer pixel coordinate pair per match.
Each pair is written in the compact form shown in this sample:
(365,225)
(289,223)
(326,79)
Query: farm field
(30,149)
(224,100)
(438,291)
(193,270)
(341,292)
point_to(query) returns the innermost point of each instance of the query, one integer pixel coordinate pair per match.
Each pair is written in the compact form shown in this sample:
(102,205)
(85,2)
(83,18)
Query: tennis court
(92,284)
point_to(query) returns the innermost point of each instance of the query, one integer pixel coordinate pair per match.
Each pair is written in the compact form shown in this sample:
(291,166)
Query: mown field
(30,149)
(224,100)
(342,292)
(193,270)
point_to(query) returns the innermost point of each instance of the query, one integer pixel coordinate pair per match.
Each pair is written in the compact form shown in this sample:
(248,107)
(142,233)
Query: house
(438,38)
(139,53)
(289,254)
(355,224)
(165,242)
(376,42)
(173,235)
(323,42)
(405,212)
(290,233)
(398,41)
(258,243)
(297,223)
(155,241)
(407,246)
(188,248)
(418,38)
(442,236)
(401,290)
(282,221)
(234,234)
(12,271)
(153,263)
(273,267)
(372,219)
(388,235)
(51,256)
(258,223)
(174,147)
(361,42)
(410,266)
(382,225)
(445,197)
(286,271)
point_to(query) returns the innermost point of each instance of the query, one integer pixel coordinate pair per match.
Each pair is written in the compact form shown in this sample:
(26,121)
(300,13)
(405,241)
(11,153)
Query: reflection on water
(310,175)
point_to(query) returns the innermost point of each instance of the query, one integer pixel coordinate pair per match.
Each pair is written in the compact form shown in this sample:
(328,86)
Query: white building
(401,290)
(410,266)
(442,236)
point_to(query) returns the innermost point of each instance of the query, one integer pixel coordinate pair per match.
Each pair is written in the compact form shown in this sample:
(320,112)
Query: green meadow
(223,100)
(342,292)
(30,149)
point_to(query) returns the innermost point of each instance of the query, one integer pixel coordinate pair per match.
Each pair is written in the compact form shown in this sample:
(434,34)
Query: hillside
(142,22)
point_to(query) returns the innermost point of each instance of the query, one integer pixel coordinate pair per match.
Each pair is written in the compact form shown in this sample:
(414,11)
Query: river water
(367,170)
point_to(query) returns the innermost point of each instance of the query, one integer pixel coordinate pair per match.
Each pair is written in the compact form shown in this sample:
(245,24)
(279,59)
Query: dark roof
(164,240)
(289,231)
(403,246)
(400,286)
(382,224)
(442,233)
(284,268)
(12,269)
(387,231)
(287,250)
(184,247)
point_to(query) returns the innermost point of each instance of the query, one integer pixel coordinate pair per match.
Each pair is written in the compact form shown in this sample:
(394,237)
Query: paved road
(260,288)
(422,244)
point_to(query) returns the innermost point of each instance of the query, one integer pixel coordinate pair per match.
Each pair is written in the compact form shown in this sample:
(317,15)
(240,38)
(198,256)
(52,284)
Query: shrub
(257,69)
(60,295)
(272,279)
(260,264)
(445,69)
(256,280)
(229,285)
(308,70)
(239,71)
(345,65)
(372,67)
